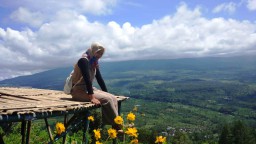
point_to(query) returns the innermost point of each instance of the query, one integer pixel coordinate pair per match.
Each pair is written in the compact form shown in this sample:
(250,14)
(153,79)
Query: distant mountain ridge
(196,94)
(55,78)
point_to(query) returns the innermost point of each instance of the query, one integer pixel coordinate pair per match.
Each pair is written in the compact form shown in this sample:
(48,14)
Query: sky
(38,35)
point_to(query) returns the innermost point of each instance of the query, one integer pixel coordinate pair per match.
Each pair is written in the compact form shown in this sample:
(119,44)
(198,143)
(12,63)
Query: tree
(181,138)
(240,133)
(225,136)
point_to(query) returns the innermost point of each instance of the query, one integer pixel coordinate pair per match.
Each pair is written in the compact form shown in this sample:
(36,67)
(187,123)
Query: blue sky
(139,12)
(41,35)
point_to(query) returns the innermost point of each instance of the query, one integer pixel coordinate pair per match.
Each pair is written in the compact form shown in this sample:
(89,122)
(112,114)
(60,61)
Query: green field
(199,96)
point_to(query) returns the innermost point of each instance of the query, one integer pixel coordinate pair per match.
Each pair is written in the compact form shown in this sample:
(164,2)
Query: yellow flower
(97,134)
(112,133)
(134,141)
(132,132)
(91,118)
(131,116)
(60,128)
(119,120)
(97,142)
(160,139)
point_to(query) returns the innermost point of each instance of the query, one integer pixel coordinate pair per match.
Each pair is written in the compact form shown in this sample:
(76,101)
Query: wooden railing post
(86,127)
(65,124)
(28,132)
(48,129)
(119,107)
(23,131)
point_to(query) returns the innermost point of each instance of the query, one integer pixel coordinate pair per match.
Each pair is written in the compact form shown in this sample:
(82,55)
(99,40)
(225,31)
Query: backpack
(69,84)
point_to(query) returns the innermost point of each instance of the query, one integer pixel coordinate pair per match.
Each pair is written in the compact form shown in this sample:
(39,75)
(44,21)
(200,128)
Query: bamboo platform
(28,104)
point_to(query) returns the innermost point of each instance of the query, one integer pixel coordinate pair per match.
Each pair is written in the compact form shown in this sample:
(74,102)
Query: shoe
(120,131)
(131,125)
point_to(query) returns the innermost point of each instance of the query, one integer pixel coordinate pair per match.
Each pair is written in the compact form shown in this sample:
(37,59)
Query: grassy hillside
(199,95)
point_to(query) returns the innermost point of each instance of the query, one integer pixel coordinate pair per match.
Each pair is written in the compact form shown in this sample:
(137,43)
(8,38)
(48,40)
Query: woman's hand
(94,100)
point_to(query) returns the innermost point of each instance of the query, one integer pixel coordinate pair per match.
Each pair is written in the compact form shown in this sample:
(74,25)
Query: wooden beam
(23,131)
(48,129)
(28,132)
(65,124)
(86,127)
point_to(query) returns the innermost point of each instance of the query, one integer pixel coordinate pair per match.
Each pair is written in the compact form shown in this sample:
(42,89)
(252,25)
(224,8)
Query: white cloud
(23,15)
(36,13)
(251,5)
(226,7)
(61,41)
(97,7)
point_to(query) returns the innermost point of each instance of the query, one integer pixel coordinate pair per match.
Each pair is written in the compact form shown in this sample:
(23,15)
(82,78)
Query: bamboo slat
(19,101)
